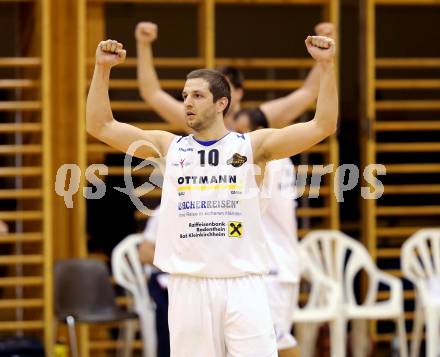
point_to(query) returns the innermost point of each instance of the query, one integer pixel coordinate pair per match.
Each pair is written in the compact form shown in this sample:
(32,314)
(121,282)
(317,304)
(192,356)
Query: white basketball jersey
(279,220)
(210,220)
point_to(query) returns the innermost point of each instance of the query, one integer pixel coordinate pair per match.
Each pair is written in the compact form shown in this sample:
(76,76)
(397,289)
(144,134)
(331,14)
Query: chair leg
(338,337)
(306,334)
(148,333)
(359,338)
(432,331)
(127,333)
(72,336)
(417,331)
(403,347)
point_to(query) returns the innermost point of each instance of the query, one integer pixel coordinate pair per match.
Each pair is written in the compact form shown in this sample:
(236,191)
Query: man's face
(241,124)
(200,109)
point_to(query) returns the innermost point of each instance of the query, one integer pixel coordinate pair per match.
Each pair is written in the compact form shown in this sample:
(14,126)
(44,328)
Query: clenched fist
(321,48)
(110,53)
(145,33)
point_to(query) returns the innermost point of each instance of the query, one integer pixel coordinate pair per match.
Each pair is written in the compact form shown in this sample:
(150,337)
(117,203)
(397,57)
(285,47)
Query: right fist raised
(110,53)
(146,33)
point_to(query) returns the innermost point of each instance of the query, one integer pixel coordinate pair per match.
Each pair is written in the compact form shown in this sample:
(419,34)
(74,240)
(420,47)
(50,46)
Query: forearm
(326,115)
(162,103)
(148,81)
(311,83)
(98,109)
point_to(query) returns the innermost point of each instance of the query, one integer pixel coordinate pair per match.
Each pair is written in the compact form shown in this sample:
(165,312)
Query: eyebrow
(194,91)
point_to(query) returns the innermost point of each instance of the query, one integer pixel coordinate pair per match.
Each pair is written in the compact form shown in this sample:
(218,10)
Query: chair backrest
(420,255)
(324,293)
(339,257)
(82,286)
(129,273)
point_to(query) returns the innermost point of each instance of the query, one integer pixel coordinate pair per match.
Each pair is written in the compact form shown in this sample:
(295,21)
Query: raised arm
(271,144)
(162,103)
(283,111)
(99,116)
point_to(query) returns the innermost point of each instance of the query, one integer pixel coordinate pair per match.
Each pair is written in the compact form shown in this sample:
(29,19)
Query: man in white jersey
(210,235)
(279,227)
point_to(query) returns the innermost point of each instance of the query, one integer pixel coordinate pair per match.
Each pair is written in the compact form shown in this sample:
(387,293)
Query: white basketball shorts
(227,317)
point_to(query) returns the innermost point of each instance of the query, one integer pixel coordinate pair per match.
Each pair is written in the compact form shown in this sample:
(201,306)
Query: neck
(215,132)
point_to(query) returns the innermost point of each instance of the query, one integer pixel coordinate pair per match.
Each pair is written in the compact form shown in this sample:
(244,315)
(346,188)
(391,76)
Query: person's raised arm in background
(99,117)
(151,92)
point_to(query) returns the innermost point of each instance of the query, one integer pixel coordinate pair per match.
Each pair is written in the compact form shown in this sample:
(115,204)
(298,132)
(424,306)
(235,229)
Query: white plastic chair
(420,261)
(342,258)
(322,306)
(129,273)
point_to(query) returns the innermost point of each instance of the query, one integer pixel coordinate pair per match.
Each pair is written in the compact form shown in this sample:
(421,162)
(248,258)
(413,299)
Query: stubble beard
(202,122)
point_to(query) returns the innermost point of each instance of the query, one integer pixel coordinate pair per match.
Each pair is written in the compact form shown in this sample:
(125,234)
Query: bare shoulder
(164,139)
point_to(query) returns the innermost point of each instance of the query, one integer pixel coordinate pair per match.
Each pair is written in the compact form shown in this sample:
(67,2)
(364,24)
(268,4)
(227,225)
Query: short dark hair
(218,84)
(256,116)
(234,75)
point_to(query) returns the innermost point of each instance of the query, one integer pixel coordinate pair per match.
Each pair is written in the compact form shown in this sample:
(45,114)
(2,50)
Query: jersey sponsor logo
(236,160)
(185,205)
(235,229)
(203,180)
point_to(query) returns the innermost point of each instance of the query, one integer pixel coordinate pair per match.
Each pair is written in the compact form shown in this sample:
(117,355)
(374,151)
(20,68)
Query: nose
(188,102)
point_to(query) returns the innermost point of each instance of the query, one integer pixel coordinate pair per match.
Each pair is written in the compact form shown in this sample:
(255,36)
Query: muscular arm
(162,103)
(271,144)
(99,116)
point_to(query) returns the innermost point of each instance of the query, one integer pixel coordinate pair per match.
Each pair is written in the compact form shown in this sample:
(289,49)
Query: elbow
(333,127)
(145,94)
(93,127)
(328,127)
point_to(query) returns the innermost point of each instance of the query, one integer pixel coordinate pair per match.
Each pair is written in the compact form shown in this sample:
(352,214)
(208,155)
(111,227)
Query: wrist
(326,65)
(103,69)
(141,44)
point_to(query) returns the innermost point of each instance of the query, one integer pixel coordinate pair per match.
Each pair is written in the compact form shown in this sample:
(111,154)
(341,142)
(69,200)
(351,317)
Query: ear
(221,104)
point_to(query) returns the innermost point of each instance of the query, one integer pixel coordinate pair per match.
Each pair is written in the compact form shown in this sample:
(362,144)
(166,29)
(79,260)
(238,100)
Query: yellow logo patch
(235,229)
